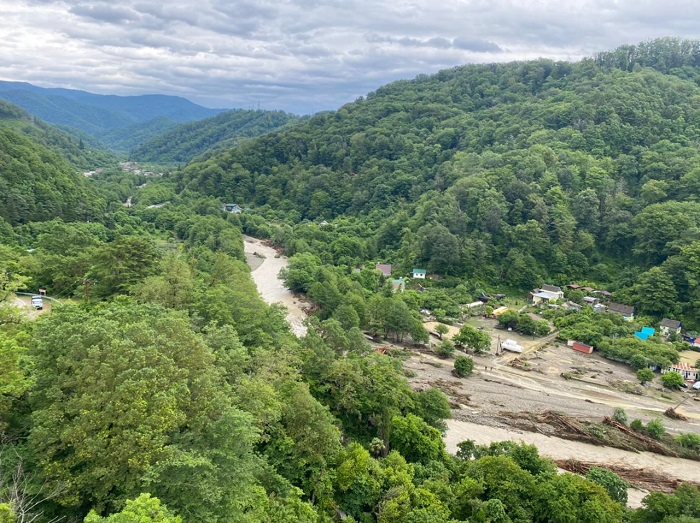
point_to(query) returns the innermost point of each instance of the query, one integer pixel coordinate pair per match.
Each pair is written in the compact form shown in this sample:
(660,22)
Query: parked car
(37,302)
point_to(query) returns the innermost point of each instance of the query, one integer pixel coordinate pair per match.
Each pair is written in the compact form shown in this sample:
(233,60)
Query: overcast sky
(304,55)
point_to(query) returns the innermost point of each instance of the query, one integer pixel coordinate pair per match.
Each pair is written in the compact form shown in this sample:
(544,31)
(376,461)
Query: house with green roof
(419,274)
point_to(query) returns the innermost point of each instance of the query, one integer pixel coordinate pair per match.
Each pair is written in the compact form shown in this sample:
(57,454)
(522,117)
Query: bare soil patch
(507,396)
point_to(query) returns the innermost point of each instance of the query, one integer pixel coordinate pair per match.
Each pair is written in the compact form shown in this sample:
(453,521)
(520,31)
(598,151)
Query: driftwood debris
(674,414)
(640,478)
(552,418)
(650,443)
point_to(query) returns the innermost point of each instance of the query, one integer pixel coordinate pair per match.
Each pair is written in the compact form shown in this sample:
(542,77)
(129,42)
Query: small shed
(581,347)
(497,312)
(419,274)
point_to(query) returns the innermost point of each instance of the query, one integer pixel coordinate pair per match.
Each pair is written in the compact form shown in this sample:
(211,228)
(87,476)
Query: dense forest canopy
(192,139)
(162,388)
(40,171)
(508,174)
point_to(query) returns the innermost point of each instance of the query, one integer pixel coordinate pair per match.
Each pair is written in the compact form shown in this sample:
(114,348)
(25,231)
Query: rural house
(626,311)
(385,269)
(689,373)
(398,285)
(668,326)
(419,274)
(546,294)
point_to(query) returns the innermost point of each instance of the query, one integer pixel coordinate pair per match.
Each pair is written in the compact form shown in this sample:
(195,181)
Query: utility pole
(86,288)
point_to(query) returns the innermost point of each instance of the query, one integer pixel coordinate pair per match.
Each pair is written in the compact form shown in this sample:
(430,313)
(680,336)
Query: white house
(689,373)
(668,326)
(546,294)
(419,274)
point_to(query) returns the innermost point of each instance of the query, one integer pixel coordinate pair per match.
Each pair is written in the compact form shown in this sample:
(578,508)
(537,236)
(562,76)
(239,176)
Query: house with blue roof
(645,333)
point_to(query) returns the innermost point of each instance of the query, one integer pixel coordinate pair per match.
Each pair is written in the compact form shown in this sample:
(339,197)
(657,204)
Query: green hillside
(39,171)
(163,388)
(83,154)
(192,139)
(507,174)
(127,138)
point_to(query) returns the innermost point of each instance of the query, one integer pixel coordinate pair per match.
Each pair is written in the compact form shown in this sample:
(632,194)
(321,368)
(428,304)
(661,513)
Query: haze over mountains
(120,123)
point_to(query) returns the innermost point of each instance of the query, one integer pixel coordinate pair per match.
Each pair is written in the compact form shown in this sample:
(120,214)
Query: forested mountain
(74,150)
(192,139)
(507,174)
(40,171)
(102,115)
(162,388)
(124,139)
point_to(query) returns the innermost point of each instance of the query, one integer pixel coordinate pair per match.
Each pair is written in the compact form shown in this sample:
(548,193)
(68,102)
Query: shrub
(615,486)
(637,425)
(464,366)
(645,375)
(441,329)
(445,349)
(688,440)
(672,380)
(620,415)
(655,429)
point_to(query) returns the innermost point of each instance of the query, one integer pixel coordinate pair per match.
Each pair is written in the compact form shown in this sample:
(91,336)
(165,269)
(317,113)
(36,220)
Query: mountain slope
(39,171)
(508,174)
(192,139)
(97,114)
(124,139)
(72,149)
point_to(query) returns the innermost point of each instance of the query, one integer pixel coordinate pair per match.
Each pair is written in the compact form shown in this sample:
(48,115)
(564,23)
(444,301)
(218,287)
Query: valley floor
(266,263)
(491,405)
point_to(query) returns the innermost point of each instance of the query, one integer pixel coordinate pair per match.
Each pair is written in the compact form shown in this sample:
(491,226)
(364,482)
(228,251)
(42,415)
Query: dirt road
(265,264)
(25,303)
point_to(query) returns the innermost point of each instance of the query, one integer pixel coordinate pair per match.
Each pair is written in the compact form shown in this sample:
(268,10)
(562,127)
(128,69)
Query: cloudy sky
(304,55)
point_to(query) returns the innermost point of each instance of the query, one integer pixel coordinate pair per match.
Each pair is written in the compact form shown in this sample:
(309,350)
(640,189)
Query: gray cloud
(304,55)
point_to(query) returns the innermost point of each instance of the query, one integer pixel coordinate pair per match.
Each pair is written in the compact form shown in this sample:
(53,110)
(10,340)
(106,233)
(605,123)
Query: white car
(696,386)
(37,302)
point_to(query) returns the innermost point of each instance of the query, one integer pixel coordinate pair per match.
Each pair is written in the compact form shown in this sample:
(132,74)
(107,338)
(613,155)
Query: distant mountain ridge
(188,140)
(99,115)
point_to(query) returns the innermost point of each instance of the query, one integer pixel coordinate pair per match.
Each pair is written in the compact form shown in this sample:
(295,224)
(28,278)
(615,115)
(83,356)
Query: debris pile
(673,414)
(519,363)
(647,442)
(639,478)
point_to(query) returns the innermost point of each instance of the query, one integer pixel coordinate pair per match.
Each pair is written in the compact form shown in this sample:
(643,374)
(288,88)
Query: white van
(37,302)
